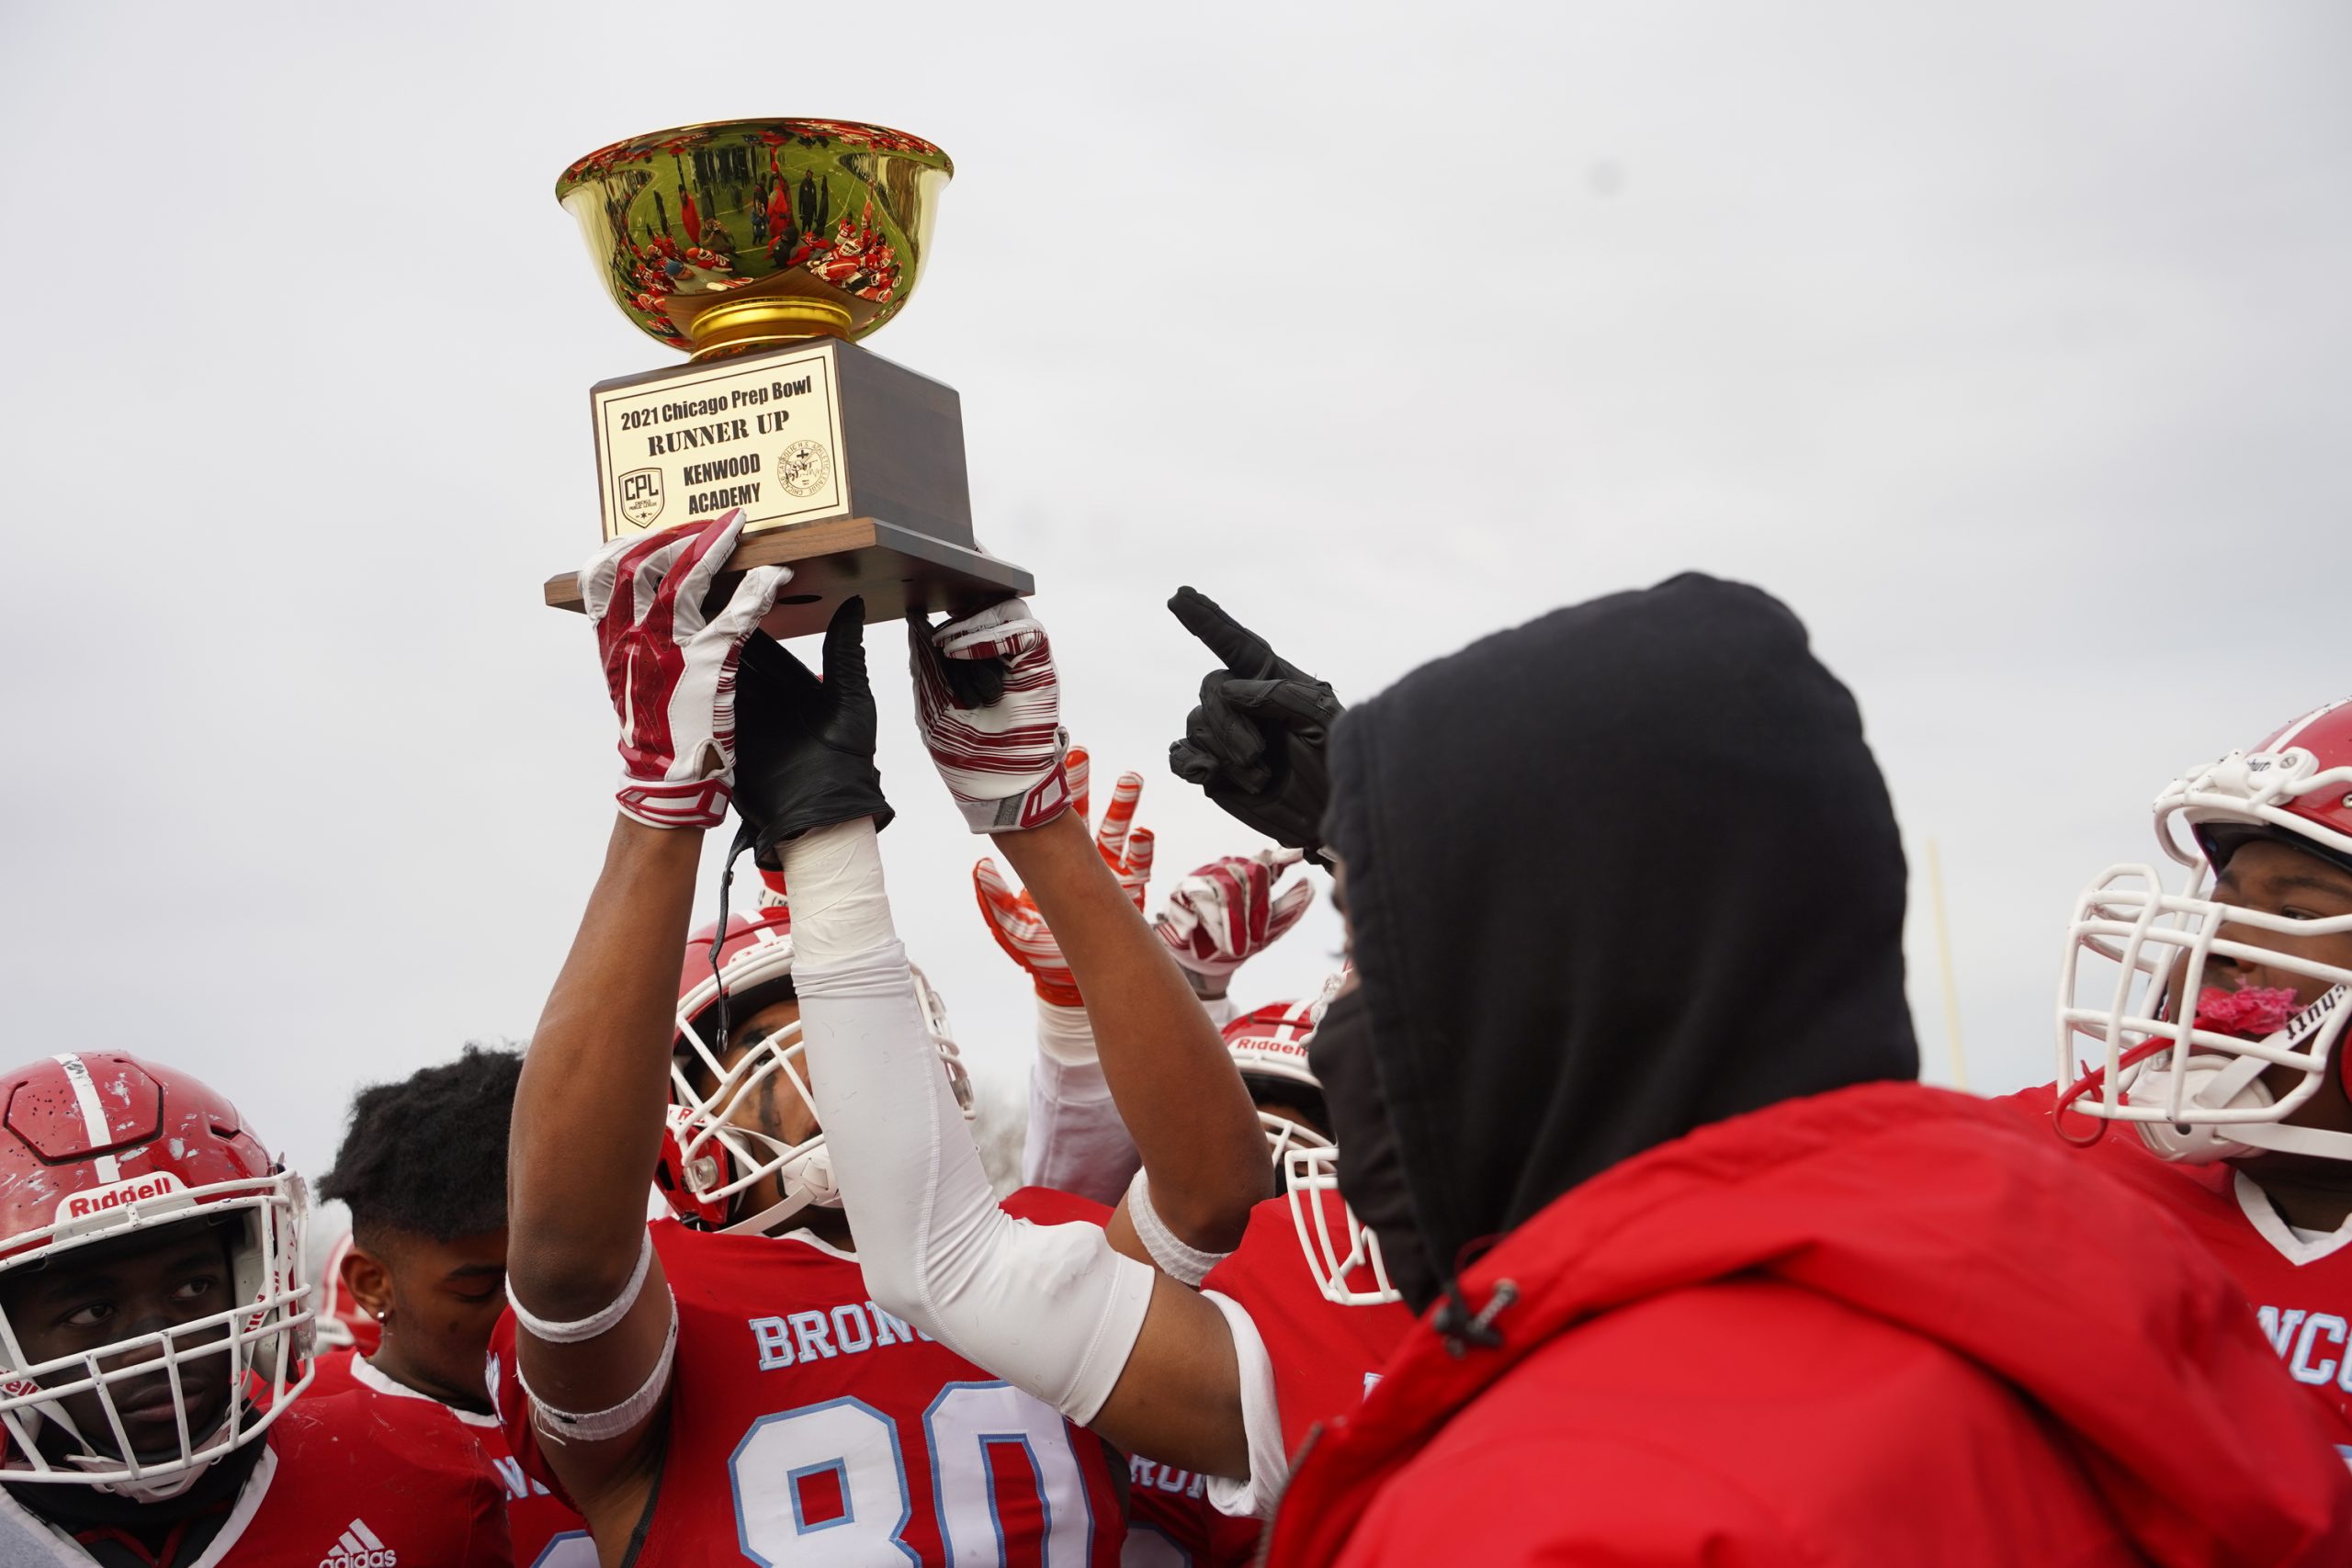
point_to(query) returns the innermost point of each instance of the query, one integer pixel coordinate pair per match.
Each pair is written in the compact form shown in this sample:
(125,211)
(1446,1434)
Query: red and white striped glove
(1013,917)
(670,668)
(1227,912)
(989,709)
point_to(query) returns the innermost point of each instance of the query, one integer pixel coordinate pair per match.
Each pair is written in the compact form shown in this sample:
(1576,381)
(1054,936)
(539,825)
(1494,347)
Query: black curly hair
(428,1154)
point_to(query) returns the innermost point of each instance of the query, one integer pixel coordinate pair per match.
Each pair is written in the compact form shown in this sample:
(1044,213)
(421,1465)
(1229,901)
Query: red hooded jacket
(1880,1326)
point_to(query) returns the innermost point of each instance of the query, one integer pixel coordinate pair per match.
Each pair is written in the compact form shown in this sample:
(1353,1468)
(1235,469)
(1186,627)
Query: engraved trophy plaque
(766,249)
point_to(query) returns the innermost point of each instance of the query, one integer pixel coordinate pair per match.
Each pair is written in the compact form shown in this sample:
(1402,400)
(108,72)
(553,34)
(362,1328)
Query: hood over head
(1613,874)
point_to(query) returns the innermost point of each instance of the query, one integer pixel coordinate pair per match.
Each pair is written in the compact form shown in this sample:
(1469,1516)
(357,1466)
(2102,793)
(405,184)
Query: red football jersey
(1173,1523)
(542,1527)
(2301,1290)
(1322,1355)
(347,1482)
(806,1424)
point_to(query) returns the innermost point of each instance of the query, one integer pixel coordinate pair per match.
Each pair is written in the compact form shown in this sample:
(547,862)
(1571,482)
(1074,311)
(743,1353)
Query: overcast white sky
(2009,343)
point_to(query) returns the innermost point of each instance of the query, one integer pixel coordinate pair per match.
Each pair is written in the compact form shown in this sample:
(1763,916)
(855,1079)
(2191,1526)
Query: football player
(1798,1281)
(155,1339)
(1196,1388)
(703,1394)
(2234,1106)
(1220,915)
(423,1168)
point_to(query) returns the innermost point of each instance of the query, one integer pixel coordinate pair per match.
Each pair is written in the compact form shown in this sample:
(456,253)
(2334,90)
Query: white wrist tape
(839,908)
(595,1426)
(1184,1264)
(1050,1309)
(548,1332)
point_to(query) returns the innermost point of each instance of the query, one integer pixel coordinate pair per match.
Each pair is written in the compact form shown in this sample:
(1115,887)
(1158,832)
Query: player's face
(2277,879)
(774,1106)
(136,1285)
(440,1299)
(1273,1105)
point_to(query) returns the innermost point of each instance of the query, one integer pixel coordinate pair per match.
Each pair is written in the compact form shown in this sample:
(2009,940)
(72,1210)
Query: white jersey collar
(813,1239)
(2295,1248)
(363,1370)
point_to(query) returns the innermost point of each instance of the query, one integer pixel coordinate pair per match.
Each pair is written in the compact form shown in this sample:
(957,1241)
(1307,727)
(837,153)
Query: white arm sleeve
(1077,1142)
(1262,1422)
(1050,1309)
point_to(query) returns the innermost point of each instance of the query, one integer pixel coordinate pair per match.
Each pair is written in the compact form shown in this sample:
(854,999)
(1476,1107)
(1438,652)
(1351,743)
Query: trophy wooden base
(896,570)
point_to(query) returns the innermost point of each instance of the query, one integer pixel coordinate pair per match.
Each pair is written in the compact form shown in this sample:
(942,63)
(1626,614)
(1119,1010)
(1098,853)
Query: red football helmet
(2199,1093)
(707,1159)
(343,1323)
(95,1147)
(1269,1049)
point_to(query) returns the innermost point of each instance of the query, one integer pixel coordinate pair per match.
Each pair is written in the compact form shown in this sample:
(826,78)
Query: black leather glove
(804,748)
(1256,742)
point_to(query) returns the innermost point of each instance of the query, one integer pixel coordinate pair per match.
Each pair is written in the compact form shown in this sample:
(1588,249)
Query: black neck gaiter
(1371,1176)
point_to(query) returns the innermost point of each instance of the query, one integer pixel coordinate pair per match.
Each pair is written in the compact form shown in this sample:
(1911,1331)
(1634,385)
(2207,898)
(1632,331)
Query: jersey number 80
(836,1472)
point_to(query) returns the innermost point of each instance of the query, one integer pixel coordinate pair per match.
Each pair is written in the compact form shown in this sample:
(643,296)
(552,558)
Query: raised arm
(595,1323)
(1192,1120)
(1001,754)
(1076,1141)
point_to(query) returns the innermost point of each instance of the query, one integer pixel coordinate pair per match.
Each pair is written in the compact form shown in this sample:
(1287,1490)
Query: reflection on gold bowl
(746,233)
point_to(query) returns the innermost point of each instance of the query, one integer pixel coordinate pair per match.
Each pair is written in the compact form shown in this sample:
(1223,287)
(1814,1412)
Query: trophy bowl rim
(576,173)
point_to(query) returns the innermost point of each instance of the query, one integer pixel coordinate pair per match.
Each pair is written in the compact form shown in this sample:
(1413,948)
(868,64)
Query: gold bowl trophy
(766,248)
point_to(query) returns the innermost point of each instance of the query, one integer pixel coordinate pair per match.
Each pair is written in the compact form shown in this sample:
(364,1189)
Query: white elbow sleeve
(1050,1309)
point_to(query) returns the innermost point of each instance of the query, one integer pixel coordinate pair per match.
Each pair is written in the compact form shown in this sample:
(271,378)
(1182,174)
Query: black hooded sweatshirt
(1611,876)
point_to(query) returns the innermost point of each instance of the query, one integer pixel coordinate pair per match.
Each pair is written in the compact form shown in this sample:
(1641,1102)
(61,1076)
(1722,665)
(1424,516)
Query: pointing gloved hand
(805,747)
(670,668)
(1257,741)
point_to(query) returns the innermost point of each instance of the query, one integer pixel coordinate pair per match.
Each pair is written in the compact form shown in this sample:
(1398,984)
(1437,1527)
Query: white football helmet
(2197,1092)
(1269,1047)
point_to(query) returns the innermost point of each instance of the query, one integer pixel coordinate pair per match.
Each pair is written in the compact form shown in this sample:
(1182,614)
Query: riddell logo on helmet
(102,1199)
(1274,1047)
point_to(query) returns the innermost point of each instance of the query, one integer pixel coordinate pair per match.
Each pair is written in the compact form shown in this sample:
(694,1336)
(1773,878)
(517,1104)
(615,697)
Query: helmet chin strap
(2283,1139)
(144,1489)
(2214,1084)
(2217,1083)
(807,1180)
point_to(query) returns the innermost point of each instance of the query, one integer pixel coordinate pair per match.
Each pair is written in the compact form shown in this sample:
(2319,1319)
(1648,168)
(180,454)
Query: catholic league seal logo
(803,467)
(641,496)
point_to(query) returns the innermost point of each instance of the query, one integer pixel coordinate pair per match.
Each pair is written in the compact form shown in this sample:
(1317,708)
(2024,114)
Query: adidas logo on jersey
(359,1548)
